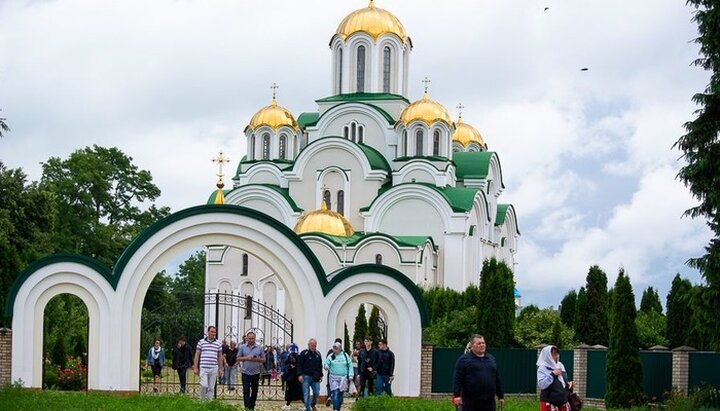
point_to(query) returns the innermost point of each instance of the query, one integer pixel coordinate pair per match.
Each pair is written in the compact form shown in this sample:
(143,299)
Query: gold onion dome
(373,21)
(273,116)
(324,221)
(427,110)
(466,134)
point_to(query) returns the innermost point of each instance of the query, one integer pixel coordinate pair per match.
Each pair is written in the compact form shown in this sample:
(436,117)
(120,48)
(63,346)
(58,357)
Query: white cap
(337,345)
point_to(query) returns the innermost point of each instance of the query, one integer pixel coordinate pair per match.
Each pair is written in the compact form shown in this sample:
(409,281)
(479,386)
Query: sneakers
(328,402)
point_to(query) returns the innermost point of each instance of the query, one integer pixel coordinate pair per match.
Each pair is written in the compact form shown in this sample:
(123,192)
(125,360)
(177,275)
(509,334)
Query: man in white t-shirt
(209,362)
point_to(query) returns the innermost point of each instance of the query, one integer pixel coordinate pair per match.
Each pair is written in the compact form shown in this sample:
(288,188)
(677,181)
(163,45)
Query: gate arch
(115,297)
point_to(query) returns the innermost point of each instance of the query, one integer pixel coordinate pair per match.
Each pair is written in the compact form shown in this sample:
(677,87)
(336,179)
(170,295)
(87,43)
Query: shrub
(71,378)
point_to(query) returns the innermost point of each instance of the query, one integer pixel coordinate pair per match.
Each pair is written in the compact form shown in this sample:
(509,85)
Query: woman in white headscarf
(552,381)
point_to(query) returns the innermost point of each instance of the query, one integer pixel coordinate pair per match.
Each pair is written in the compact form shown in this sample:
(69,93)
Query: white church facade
(369,177)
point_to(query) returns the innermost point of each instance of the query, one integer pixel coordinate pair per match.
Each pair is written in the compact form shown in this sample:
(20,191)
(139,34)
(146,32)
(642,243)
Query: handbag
(575,402)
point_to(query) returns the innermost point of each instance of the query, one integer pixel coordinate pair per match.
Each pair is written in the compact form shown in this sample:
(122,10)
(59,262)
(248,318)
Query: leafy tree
(581,324)
(535,326)
(346,338)
(361,324)
(651,328)
(454,330)
(594,314)
(3,126)
(623,369)
(496,315)
(28,215)
(567,308)
(650,301)
(65,329)
(99,192)
(701,150)
(374,325)
(678,312)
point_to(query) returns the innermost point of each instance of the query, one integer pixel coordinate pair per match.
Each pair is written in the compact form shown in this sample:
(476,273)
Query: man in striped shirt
(209,362)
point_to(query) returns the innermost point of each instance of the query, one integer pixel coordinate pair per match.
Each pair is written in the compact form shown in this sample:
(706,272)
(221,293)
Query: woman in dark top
(293,389)
(552,381)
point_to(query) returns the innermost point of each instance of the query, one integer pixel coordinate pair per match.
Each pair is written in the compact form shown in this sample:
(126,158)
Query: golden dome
(427,110)
(324,221)
(373,21)
(466,134)
(273,116)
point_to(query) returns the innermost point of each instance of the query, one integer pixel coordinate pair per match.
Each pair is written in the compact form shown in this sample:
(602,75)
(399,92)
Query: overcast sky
(587,156)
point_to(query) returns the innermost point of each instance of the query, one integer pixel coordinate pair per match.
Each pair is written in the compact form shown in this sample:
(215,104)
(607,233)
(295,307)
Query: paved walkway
(297,406)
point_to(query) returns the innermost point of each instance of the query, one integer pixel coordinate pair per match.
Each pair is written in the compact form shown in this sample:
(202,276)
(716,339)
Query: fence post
(426,360)
(681,368)
(580,364)
(5,356)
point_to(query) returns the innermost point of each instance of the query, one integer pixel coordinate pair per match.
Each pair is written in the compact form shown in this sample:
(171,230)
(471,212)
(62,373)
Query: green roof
(308,119)
(475,165)
(377,160)
(429,158)
(403,241)
(276,161)
(280,190)
(502,212)
(459,199)
(382,112)
(362,97)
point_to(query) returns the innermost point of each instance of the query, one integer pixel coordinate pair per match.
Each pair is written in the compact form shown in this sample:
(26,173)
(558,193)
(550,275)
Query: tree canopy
(568,307)
(650,301)
(679,311)
(496,313)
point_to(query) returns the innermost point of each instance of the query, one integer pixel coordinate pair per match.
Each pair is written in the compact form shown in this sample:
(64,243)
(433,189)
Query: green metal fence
(596,374)
(657,373)
(516,367)
(704,370)
(567,357)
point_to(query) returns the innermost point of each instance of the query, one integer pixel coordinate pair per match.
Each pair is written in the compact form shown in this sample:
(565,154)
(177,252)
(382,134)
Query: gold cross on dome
(460,107)
(274,88)
(426,81)
(220,160)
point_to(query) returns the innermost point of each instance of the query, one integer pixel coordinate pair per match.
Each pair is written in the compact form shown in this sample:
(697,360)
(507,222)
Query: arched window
(361,134)
(360,69)
(419,137)
(326,199)
(341,202)
(339,70)
(436,143)
(386,70)
(353,131)
(245,264)
(346,132)
(251,153)
(378,258)
(283,146)
(266,146)
(405,144)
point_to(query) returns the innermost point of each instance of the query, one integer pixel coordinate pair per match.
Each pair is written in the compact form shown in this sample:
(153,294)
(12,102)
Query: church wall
(263,206)
(367,252)
(264,177)
(327,257)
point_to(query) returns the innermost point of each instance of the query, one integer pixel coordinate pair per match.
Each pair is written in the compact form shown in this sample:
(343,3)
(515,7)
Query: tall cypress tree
(623,370)
(581,324)
(679,311)
(567,308)
(346,339)
(650,301)
(496,315)
(374,325)
(596,310)
(361,324)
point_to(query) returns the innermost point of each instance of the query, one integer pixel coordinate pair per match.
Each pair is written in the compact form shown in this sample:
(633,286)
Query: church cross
(274,88)
(220,160)
(426,81)
(460,107)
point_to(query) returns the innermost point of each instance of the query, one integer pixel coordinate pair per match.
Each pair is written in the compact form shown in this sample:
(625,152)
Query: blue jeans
(308,384)
(337,398)
(382,385)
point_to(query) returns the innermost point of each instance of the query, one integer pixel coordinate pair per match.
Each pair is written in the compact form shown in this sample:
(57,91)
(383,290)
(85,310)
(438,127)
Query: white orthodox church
(372,175)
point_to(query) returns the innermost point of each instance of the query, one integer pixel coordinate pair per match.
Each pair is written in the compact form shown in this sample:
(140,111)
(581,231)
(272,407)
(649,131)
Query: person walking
(310,374)
(231,364)
(552,380)
(251,355)
(355,358)
(155,359)
(182,360)
(477,380)
(367,365)
(293,389)
(208,363)
(328,401)
(340,374)
(385,369)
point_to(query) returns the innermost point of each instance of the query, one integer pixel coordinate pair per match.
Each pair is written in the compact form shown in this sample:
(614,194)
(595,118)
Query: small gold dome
(466,134)
(324,221)
(373,21)
(427,110)
(273,116)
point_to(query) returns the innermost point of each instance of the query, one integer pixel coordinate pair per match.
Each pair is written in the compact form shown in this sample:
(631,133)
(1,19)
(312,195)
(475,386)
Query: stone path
(297,406)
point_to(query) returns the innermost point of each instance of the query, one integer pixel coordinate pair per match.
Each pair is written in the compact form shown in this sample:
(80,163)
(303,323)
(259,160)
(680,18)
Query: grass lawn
(393,404)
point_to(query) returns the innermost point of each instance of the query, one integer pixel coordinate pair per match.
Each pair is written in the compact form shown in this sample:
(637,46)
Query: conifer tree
(496,315)
(623,370)
(650,301)
(346,339)
(567,308)
(580,322)
(679,311)
(595,312)
(361,324)
(374,325)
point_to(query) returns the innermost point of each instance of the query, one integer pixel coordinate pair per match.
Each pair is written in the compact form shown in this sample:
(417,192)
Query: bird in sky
(584,69)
